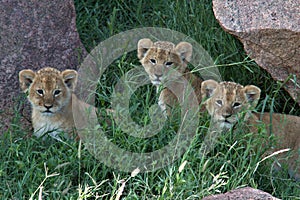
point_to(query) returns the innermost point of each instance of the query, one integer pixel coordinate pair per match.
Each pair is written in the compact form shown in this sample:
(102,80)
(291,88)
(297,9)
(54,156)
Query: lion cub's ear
(26,77)
(208,88)
(185,51)
(70,78)
(143,46)
(252,94)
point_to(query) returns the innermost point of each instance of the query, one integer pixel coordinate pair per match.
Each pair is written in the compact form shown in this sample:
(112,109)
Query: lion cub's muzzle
(48,108)
(226,120)
(157,79)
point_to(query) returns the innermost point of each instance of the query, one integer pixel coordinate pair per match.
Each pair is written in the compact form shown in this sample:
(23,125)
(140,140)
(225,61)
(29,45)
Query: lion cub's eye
(56,92)
(236,105)
(153,61)
(219,102)
(40,92)
(168,64)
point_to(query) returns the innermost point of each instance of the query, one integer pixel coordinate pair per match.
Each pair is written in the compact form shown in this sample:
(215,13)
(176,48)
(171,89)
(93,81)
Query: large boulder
(34,34)
(270,32)
(246,193)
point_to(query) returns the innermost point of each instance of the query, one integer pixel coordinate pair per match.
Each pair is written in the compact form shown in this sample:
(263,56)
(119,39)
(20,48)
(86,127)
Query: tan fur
(50,93)
(158,59)
(225,114)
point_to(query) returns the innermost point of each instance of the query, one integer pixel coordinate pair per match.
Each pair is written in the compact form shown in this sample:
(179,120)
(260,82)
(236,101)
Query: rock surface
(34,34)
(270,32)
(246,193)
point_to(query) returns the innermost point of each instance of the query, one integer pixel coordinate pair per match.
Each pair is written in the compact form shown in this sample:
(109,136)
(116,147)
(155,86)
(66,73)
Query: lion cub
(50,93)
(228,101)
(158,59)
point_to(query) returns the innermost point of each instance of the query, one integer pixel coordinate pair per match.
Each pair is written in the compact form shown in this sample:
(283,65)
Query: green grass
(68,171)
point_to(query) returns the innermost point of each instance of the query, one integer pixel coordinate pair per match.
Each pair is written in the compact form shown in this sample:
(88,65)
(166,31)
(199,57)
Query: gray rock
(270,32)
(34,34)
(246,193)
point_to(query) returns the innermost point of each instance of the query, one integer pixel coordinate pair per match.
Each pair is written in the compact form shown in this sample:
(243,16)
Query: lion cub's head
(48,89)
(226,101)
(159,57)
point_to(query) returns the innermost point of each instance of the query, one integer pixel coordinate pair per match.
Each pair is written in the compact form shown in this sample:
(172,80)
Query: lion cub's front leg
(167,101)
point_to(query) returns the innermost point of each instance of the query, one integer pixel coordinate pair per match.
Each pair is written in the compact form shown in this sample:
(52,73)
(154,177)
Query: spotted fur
(50,93)
(160,59)
(226,101)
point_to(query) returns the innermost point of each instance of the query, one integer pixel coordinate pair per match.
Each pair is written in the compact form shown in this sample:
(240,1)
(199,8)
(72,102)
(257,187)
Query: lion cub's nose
(226,115)
(158,75)
(48,106)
